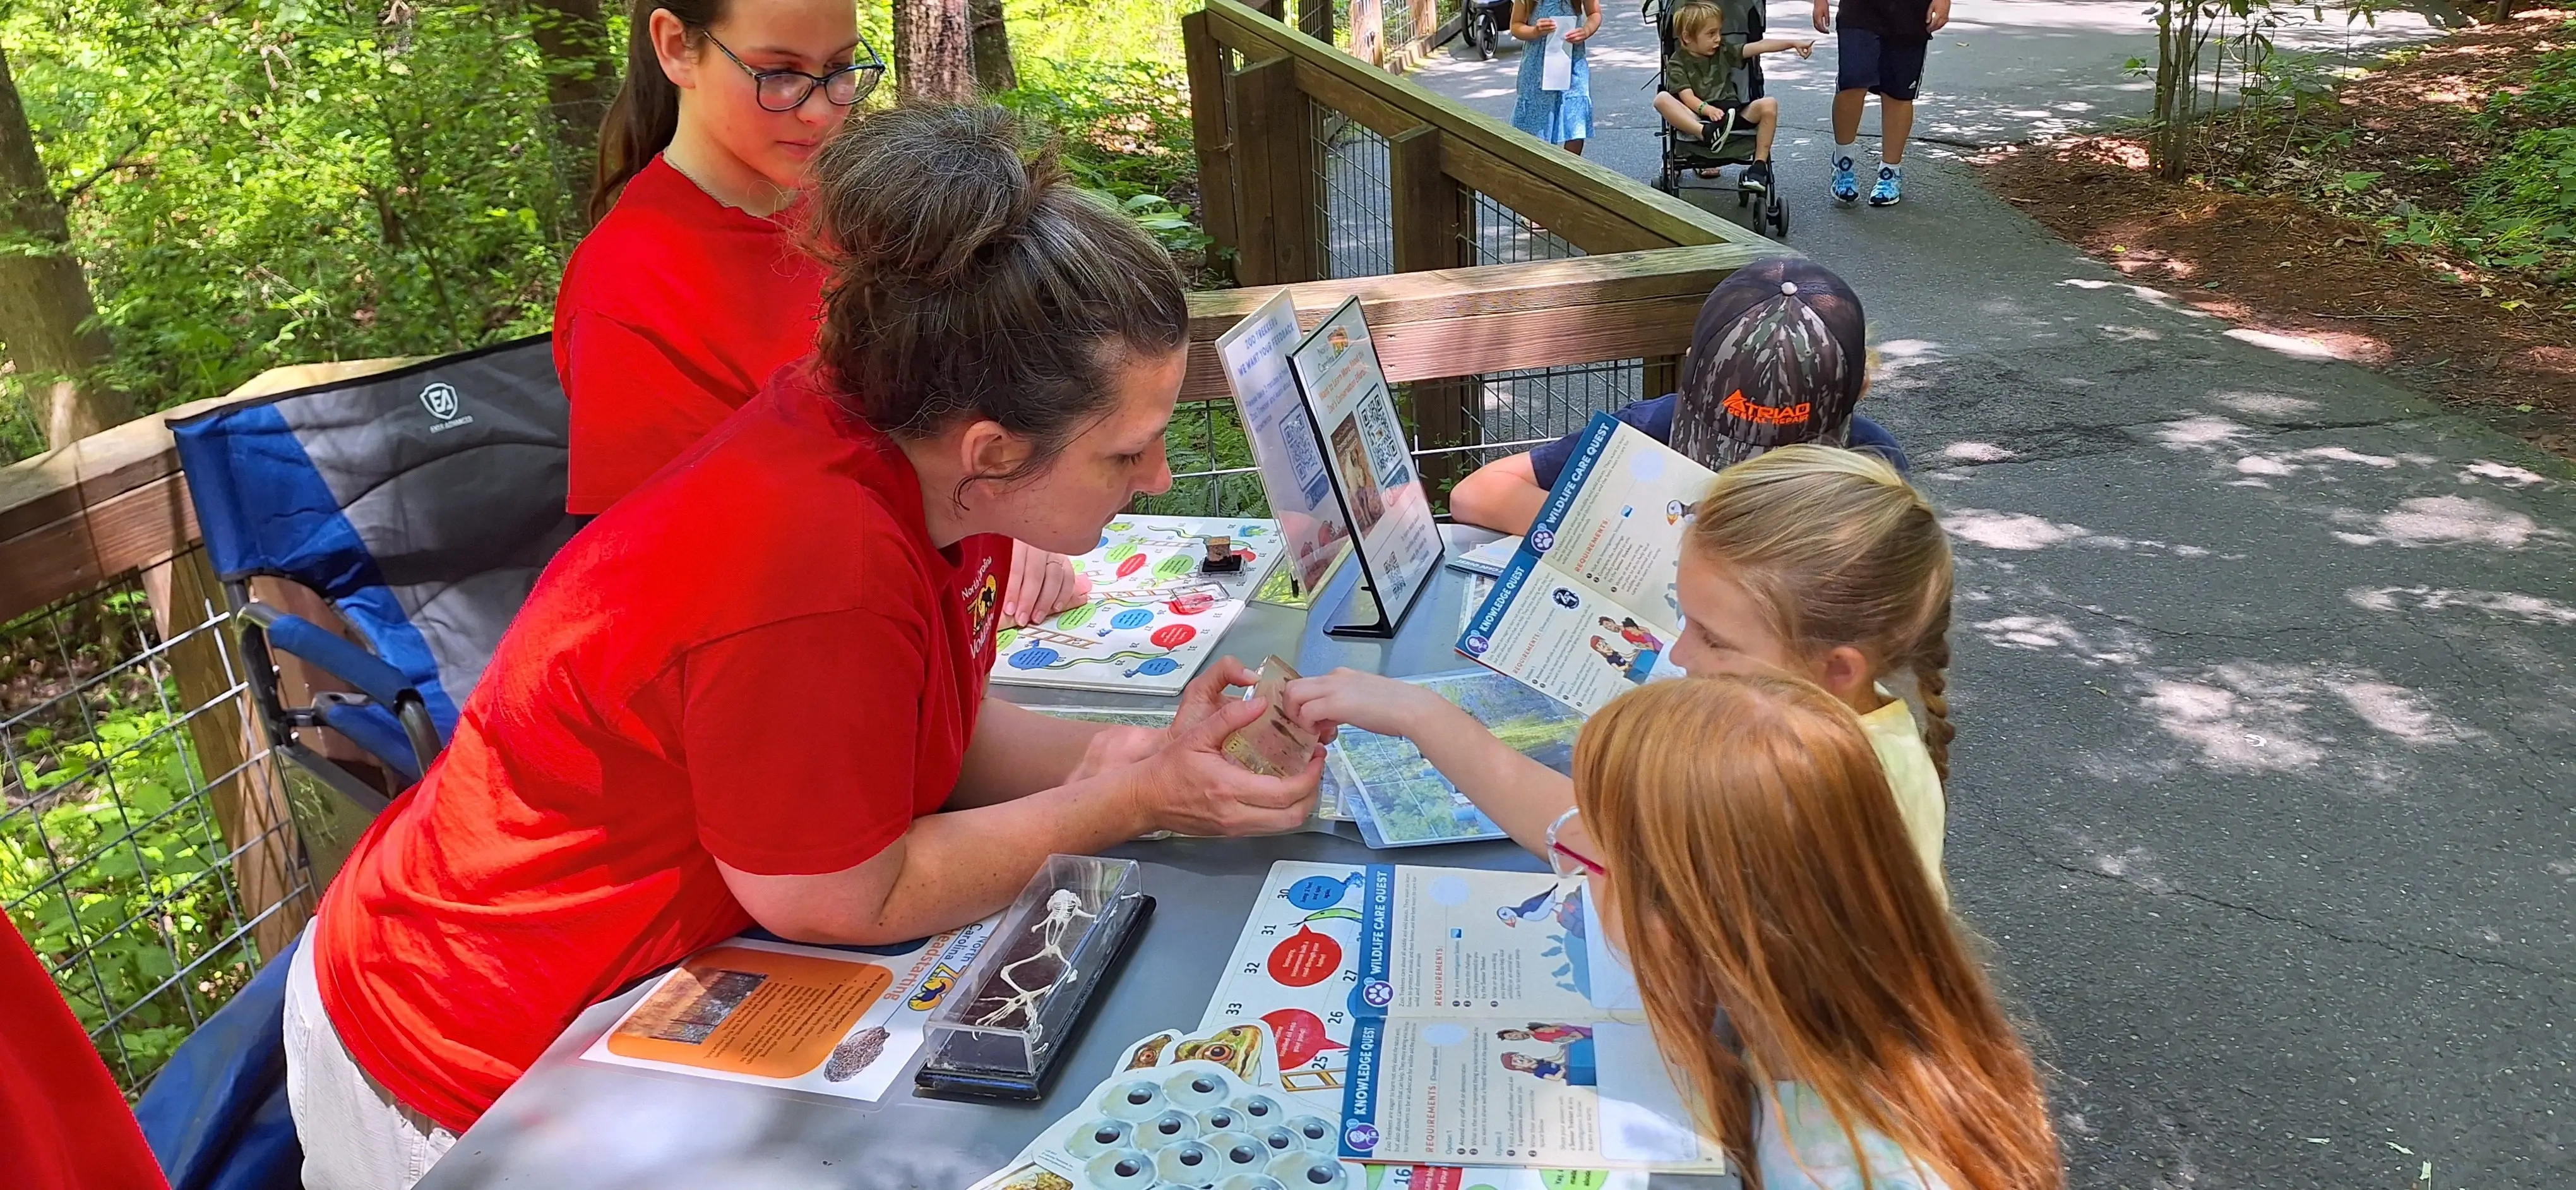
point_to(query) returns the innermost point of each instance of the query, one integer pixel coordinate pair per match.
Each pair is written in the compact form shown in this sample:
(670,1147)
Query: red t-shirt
(673,312)
(757,657)
(63,1123)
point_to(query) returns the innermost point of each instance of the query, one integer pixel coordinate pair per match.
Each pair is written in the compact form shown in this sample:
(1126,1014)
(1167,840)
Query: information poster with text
(1364,446)
(1255,356)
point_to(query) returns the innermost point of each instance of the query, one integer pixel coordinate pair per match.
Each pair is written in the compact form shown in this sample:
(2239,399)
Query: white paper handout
(806,1018)
(1556,73)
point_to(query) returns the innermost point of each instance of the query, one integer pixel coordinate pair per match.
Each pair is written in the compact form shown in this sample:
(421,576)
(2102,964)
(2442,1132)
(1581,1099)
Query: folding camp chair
(421,503)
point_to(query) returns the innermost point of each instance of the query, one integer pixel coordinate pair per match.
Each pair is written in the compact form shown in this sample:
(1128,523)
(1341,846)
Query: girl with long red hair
(1748,862)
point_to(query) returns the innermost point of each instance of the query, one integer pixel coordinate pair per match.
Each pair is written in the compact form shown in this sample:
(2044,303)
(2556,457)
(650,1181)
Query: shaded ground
(2279,245)
(2265,787)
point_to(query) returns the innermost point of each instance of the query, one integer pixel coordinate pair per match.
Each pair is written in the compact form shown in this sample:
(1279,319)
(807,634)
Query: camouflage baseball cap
(1779,356)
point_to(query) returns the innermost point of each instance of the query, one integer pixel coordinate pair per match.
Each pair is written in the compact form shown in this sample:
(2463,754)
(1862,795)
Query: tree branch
(122,161)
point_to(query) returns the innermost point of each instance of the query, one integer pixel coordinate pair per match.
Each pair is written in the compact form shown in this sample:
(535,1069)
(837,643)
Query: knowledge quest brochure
(1586,608)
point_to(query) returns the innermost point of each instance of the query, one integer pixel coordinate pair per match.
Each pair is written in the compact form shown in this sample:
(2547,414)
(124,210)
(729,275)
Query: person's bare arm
(1017,751)
(1525,29)
(1502,495)
(1521,795)
(956,866)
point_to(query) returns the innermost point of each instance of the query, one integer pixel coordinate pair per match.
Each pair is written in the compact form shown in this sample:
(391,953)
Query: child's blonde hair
(1691,18)
(1837,549)
(1761,876)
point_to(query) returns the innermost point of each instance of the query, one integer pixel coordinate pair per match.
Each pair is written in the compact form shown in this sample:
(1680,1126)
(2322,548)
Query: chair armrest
(349,662)
(373,728)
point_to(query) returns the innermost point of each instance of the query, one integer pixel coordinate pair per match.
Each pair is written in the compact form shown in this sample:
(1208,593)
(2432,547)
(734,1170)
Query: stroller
(1480,21)
(1744,24)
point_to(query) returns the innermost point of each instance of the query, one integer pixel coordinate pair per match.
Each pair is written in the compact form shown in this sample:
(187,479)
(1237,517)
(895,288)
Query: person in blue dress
(1557,117)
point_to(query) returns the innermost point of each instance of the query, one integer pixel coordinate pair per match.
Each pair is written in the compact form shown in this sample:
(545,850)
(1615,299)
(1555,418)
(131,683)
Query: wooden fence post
(1212,131)
(1428,208)
(1275,171)
(248,803)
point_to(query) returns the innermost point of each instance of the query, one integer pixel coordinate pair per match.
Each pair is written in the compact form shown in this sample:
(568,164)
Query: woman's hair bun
(972,279)
(931,190)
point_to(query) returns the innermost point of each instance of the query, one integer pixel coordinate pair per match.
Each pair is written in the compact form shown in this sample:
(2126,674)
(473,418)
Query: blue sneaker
(1846,182)
(1890,187)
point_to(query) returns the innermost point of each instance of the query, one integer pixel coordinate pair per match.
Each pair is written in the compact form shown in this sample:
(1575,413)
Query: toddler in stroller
(1710,96)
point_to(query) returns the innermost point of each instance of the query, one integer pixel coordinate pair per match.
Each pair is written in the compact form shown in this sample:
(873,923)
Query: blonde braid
(1932,683)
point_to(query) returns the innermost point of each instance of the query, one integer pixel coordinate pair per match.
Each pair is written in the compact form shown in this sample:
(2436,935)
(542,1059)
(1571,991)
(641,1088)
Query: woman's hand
(1210,692)
(1370,702)
(1190,788)
(1042,584)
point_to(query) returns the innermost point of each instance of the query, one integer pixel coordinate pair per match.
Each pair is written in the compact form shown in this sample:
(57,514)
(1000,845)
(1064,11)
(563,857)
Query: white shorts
(356,1135)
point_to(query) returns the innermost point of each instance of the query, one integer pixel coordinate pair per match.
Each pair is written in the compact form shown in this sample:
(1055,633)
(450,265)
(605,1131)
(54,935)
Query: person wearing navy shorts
(1880,49)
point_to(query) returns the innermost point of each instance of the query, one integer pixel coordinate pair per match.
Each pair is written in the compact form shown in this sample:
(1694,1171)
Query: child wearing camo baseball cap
(1779,355)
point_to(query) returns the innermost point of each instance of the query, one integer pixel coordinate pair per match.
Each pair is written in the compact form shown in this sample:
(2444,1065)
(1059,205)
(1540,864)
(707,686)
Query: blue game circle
(1158,667)
(1034,657)
(1134,617)
(1317,892)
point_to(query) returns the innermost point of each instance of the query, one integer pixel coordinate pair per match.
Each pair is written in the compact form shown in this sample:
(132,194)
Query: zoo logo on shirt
(980,595)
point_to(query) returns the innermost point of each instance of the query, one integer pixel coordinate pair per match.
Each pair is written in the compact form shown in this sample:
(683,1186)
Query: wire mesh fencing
(134,853)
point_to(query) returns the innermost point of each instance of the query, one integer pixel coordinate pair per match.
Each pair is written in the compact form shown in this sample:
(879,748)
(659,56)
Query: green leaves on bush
(111,865)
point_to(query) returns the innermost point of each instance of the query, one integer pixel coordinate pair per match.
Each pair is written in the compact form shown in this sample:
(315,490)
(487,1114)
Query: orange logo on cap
(1764,415)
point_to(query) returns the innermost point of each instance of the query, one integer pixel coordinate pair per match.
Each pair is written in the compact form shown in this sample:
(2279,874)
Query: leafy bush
(285,180)
(137,853)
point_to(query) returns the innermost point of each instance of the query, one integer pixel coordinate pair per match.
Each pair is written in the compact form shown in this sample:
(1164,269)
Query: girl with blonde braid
(1810,560)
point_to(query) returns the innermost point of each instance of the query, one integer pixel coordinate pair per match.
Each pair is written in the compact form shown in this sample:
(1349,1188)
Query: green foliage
(114,815)
(2519,209)
(287,180)
(263,182)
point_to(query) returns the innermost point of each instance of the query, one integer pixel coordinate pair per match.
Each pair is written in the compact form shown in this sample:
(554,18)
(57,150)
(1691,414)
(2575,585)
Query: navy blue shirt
(1654,418)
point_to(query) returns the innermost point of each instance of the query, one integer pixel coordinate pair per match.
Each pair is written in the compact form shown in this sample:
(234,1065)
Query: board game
(1396,797)
(1154,617)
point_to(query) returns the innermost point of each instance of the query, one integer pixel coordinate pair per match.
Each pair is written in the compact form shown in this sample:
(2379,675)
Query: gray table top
(570,1124)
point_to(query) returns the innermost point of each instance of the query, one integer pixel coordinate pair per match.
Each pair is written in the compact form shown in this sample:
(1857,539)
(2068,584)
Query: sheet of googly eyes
(1190,1125)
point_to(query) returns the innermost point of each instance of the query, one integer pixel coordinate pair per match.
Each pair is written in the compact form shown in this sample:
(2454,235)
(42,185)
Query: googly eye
(1218,1119)
(1259,1109)
(1136,1099)
(1309,1171)
(1316,1132)
(1121,1169)
(1097,1137)
(1188,1163)
(1195,1090)
(1171,1127)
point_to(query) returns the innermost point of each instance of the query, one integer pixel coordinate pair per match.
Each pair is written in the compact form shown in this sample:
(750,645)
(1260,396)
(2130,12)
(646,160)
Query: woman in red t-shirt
(692,289)
(753,690)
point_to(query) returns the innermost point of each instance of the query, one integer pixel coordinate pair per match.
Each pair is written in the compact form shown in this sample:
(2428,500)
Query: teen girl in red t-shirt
(691,290)
(753,690)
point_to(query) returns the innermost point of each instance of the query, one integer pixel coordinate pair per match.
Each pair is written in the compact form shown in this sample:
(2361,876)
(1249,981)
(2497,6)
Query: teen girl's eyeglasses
(787,90)
(1565,860)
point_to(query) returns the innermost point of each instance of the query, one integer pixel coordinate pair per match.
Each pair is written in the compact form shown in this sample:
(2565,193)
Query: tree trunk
(931,58)
(44,298)
(581,68)
(994,70)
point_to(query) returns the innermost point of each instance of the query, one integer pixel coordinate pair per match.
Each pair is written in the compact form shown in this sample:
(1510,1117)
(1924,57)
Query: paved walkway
(2266,669)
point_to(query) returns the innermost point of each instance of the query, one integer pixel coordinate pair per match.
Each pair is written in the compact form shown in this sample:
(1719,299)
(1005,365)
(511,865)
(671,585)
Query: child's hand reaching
(1806,49)
(1367,701)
